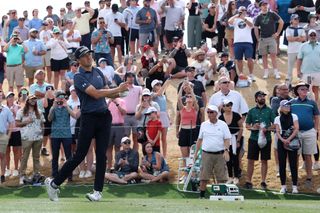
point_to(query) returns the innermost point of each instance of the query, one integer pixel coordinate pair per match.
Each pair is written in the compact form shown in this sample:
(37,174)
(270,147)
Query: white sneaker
(88,174)
(94,196)
(278,174)
(252,78)
(15,173)
(295,190)
(316,166)
(230,181)
(21,180)
(265,75)
(318,190)
(283,190)
(277,75)
(52,192)
(303,166)
(7,173)
(82,174)
(235,181)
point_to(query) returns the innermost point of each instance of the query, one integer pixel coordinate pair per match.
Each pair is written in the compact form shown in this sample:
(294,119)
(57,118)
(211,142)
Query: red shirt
(152,128)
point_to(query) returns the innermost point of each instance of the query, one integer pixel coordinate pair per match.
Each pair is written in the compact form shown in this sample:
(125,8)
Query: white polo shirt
(239,103)
(213,135)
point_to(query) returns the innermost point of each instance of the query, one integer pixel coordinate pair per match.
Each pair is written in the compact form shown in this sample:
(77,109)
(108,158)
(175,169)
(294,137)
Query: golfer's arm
(102,93)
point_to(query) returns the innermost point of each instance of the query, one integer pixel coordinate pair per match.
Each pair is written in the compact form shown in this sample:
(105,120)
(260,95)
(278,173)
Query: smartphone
(309,79)
(59,103)
(115,19)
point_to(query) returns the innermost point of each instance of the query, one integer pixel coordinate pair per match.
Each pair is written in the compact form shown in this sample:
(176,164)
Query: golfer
(95,123)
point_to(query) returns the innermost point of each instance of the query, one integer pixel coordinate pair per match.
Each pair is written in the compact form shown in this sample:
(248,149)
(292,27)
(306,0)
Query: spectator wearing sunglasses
(39,88)
(70,75)
(126,164)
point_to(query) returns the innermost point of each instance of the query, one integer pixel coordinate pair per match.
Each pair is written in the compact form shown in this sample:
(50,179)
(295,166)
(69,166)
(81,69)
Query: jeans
(107,56)
(55,146)
(86,40)
(92,125)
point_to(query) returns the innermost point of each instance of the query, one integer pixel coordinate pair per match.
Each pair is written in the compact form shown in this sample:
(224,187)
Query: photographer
(14,70)
(59,115)
(101,40)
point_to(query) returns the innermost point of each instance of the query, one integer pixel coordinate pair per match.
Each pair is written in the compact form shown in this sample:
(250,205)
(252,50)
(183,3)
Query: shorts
(243,48)
(170,34)
(116,134)
(187,137)
(15,139)
(308,141)
(144,37)
(164,119)
(1,77)
(130,123)
(213,163)
(159,30)
(267,46)
(4,139)
(31,70)
(74,139)
(254,150)
(47,128)
(315,78)
(47,59)
(117,41)
(229,34)
(177,69)
(57,65)
(15,75)
(134,34)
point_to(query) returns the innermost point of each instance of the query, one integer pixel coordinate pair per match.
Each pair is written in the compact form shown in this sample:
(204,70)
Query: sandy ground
(174,151)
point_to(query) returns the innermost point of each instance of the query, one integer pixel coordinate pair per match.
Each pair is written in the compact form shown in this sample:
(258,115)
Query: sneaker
(7,173)
(230,181)
(52,192)
(76,171)
(318,190)
(277,75)
(303,166)
(278,174)
(88,174)
(283,190)
(295,190)
(263,185)
(252,78)
(145,181)
(15,173)
(235,181)
(2,178)
(308,184)
(248,185)
(44,152)
(82,174)
(265,75)
(21,180)
(316,166)
(94,196)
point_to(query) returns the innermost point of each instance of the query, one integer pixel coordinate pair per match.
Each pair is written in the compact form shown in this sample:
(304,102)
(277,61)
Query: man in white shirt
(214,140)
(72,36)
(103,10)
(243,25)
(45,35)
(239,103)
(114,23)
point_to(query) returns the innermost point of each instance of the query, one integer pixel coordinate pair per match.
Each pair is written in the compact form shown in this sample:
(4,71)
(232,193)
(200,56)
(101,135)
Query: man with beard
(259,114)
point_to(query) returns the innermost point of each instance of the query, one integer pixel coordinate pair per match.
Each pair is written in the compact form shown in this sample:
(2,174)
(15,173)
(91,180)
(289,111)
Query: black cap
(81,51)
(189,68)
(295,90)
(87,2)
(68,3)
(259,93)
(129,74)
(224,54)
(59,93)
(49,7)
(115,8)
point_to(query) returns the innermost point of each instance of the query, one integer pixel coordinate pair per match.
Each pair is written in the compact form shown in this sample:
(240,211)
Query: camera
(60,103)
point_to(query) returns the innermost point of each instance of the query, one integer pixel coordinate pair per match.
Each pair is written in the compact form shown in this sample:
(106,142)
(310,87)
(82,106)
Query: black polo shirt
(82,80)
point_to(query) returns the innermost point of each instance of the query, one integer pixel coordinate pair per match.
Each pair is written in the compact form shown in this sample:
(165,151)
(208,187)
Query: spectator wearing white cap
(39,87)
(158,95)
(153,128)
(33,58)
(107,70)
(126,164)
(308,64)
(214,140)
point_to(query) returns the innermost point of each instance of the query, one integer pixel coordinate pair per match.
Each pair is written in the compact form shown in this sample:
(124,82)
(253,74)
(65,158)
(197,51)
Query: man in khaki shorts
(214,140)
(6,118)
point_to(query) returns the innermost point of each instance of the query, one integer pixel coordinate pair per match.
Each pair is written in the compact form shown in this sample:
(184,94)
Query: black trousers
(221,40)
(86,40)
(92,125)
(233,163)
(292,155)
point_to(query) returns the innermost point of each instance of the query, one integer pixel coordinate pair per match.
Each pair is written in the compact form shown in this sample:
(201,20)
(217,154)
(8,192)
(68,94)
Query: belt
(117,124)
(214,153)
(131,114)
(14,65)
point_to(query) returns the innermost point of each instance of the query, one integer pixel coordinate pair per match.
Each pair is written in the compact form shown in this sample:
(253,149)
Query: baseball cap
(294,16)
(155,82)
(312,31)
(146,92)
(151,110)
(213,108)
(189,69)
(211,5)
(56,30)
(10,94)
(38,72)
(295,90)
(226,101)
(102,60)
(60,93)
(146,48)
(81,51)
(262,3)
(224,54)
(310,16)
(259,93)
(124,139)
(285,103)
(73,63)
(21,19)
(49,7)
(33,30)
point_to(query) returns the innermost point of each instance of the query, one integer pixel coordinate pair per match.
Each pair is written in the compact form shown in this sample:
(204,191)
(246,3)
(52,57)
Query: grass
(149,198)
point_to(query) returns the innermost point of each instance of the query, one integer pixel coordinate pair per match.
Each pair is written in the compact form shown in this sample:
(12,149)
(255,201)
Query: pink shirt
(117,117)
(133,98)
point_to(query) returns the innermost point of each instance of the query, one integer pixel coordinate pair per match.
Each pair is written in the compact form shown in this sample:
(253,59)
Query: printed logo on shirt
(84,85)
(242,25)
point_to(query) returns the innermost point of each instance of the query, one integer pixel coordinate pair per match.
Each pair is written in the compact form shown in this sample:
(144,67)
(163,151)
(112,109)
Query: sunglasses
(227,105)
(127,142)
(102,22)
(210,112)
(313,35)
(75,65)
(188,96)
(225,82)
(303,89)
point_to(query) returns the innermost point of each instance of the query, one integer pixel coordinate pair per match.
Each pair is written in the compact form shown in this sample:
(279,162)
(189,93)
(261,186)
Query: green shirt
(259,115)
(14,54)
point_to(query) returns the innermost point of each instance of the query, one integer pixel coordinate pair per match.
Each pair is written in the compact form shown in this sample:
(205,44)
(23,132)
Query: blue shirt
(40,88)
(70,75)
(82,80)
(305,110)
(32,60)
(142,15)
(60,127)
(310,57)
(35,23)
(103,45)
(6,117)
(13,23)
(162,102)
(244,3)
(283,6)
